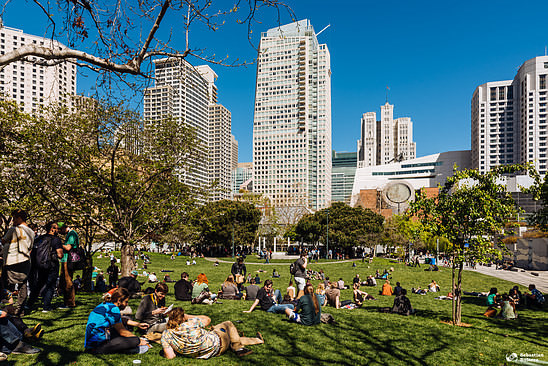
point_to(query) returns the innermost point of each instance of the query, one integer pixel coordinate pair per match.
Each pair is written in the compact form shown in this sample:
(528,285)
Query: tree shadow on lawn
(529,329)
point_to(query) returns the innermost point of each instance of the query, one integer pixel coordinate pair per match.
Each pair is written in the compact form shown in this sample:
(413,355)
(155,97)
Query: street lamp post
(232,238)
(327,239)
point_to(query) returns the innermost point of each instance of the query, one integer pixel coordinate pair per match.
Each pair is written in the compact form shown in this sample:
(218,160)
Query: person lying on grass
(105,332)
(268,300)
(308,310)
(186,335)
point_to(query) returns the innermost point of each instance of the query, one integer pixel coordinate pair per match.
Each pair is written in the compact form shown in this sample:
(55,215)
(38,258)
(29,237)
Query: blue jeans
(46,278)
(280,309)
(278,296)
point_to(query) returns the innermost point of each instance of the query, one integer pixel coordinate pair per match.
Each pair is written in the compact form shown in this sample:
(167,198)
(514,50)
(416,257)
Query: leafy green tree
(218,222)
(84,167)
(540,218)
(470,211)
(348,226)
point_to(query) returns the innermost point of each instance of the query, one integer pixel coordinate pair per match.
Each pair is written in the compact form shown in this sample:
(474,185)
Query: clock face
(398,193)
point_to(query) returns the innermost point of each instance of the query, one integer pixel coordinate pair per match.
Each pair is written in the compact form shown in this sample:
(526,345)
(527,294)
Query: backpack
(76,259)
(43,256)
(293,268)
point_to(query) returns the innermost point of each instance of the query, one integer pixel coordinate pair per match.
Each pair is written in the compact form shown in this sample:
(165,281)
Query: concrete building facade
(343,171)
(292,119)
(385,140)
(508,119)
(31,83)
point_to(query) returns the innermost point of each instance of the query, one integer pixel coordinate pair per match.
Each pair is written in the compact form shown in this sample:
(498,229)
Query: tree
(470,211)
(123,37)
(348,226)
(402,231)
(540,218)
(84,168)
(221,222)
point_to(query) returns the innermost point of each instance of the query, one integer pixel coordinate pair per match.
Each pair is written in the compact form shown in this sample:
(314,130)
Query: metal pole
(232,239)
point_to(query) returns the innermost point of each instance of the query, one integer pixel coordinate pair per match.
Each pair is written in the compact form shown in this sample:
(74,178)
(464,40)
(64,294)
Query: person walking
(18,243)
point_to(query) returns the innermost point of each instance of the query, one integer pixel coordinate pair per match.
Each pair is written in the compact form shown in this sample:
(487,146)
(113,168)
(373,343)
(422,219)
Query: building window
(493,93)
(542,79)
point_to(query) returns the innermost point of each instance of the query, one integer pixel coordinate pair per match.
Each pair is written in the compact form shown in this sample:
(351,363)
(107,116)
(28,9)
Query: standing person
(112,272)
(46,253)
(239,271)
(300,274)
(18,243)
(183,288)
(65,281)
(105,332)
(267,300)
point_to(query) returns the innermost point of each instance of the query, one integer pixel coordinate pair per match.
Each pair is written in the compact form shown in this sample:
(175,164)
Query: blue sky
(432,55)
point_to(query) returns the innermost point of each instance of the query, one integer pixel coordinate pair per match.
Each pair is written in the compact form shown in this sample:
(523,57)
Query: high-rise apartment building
(385,140)
(292,121)
(342,175)
(509,122)
(30,83)
(189,94)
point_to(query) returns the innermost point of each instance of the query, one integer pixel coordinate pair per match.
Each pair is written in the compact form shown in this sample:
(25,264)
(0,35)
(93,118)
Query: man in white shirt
(17,243)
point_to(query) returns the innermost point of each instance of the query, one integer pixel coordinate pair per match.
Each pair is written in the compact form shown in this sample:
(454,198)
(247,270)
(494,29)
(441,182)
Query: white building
(189,94)
(292,121)
(30,83)
(424,172)
(386,140)
(509,122)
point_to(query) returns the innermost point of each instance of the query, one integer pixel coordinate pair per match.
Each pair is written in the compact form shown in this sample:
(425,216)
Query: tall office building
(29,83)
(234,147)
(342,175)
(292,121)
(242,178)
(509,119)
(189,94)
(385,140)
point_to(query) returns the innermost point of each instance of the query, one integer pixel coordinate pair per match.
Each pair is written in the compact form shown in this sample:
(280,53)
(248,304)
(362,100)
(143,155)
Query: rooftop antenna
(327,26)
(387,90)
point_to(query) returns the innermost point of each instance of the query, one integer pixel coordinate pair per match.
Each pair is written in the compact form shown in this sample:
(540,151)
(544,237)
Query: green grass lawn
(362,336)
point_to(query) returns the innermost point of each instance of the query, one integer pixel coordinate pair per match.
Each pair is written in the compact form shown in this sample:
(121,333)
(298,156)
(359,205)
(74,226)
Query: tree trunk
(127,253)
(453,289)
(87,272)
(458,295)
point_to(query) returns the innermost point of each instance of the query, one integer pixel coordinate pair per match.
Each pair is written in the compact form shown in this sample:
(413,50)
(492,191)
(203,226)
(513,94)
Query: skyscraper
(292,121)
(189,94)
(385,140)
(509,122)
(30,83)
(342,175)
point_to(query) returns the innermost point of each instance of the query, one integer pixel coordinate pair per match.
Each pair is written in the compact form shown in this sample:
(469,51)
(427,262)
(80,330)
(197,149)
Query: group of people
(32,264)
(505,305)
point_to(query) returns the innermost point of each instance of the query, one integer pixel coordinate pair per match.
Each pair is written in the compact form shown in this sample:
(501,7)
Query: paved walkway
(523,278)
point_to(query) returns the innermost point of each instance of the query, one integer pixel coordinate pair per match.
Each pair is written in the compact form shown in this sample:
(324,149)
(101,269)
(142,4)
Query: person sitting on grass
(515,295)
(535,298)
(12,333)
(229,289)
(333,295)
(371,281)
(186,335)
(105,332)
(433,287)
(386,289)
(402,304)
(397,289)
(291,290)
(152,307)
(268,299)
(308,310)
(201,285)
(183,288)
(492,304)
(320,291)
(508,308)
(131,284)
(360,296)
(275,273)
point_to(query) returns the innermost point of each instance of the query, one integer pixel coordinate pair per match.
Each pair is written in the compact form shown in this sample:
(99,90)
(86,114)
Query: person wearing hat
(65,279)
(131,284)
